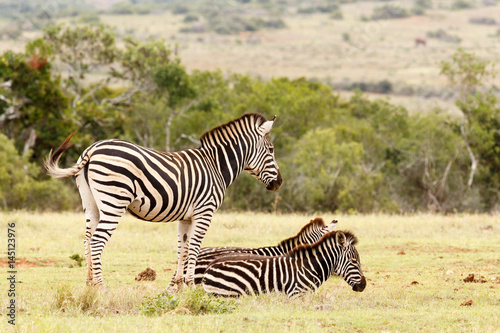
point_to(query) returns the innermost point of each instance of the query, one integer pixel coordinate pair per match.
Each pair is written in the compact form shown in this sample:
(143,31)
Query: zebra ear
(266,127)
(333,225)
(341,239)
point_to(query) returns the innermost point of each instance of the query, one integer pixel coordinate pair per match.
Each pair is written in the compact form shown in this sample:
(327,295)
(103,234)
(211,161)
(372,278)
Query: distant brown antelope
(420,41)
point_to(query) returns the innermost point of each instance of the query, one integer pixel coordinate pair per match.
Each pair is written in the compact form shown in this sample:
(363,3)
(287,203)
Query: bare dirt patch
(23,263)
(146,275)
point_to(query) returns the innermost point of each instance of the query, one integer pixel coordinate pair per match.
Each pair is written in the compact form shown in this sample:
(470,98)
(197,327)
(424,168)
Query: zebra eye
(271,150)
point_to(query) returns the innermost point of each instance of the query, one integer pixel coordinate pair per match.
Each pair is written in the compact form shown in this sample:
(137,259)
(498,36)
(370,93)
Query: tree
(481,116)
(32,106)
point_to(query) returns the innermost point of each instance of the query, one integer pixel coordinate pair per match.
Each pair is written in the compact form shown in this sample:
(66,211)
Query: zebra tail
(51,163)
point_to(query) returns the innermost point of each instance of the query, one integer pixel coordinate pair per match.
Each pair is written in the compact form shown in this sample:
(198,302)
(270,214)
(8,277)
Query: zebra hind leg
(109,217)
(92,219)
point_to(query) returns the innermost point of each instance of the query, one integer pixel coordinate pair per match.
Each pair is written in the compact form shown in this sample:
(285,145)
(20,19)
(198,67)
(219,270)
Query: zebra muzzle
(275,184)
(360,286)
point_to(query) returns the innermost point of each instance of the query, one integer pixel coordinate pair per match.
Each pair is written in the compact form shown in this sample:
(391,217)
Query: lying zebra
(309,234)
(304,268)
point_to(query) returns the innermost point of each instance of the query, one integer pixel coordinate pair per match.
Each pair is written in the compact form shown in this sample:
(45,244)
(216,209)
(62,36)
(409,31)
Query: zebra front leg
(184,233)
(199,228)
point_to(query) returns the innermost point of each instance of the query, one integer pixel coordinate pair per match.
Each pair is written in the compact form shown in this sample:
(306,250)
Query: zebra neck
(322,255)
(228,157)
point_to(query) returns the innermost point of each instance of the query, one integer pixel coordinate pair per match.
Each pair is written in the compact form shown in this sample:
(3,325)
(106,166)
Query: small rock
(414,282)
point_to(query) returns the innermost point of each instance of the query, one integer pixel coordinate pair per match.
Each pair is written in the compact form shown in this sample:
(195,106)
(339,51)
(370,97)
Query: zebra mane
(350,238)
(317,223)
(258,119)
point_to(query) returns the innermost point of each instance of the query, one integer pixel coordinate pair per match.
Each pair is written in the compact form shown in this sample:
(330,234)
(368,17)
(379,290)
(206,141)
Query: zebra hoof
(101,287)
(171,290)
(182,286)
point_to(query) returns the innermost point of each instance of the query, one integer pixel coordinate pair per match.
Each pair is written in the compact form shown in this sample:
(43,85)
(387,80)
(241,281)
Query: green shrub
(21,189)
(190,18)
(389,12)
(179,9)
(337,15)
(483,20)
(461,4)
(443,36)
(192,301)
(380,87)
(91,18)
(122,9)
(87,302)
(16,175)
(326,8)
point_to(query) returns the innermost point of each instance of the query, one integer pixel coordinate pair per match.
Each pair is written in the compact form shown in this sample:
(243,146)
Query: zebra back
(304,268)
(310,233)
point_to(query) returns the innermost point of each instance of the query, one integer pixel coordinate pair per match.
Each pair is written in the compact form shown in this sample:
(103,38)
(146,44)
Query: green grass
(437,252)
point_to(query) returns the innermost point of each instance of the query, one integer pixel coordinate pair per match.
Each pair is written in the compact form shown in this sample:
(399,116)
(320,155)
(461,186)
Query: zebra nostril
(359,287)
(275,184)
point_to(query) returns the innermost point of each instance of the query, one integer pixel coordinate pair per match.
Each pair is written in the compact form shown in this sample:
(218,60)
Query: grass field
(415,266)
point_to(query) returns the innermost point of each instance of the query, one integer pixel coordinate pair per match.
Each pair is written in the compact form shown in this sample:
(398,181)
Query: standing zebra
(304,268)
(309,234)
(188,186)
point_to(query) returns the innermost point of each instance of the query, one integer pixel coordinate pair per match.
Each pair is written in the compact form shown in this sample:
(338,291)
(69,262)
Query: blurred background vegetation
(337,152)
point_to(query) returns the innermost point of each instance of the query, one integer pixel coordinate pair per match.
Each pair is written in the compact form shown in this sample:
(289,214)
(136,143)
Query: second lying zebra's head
(338,247)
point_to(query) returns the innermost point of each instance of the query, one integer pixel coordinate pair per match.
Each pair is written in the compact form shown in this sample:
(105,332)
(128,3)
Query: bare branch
(473,165)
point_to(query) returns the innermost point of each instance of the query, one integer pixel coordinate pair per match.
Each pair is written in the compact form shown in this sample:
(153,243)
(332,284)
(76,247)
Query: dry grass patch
(420,290)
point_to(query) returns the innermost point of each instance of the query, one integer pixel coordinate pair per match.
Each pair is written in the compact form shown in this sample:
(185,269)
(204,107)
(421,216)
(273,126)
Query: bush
(191,301)
(460,4)
(191,18)
(327,8)
(20,189)
(16,175)
(389,12)
(380,87)
(488,3)
(273,23)
(425,4)
(91,18)
(122,9)
(483,20)
(442,35)
(88,301)
(337,15)
(180,9)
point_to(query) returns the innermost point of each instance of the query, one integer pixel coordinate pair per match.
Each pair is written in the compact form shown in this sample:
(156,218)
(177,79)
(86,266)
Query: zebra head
(348,264)
(262,164)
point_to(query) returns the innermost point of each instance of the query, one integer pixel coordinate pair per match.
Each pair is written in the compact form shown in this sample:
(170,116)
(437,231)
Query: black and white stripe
(115,176)
(304,268)
(309,234)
